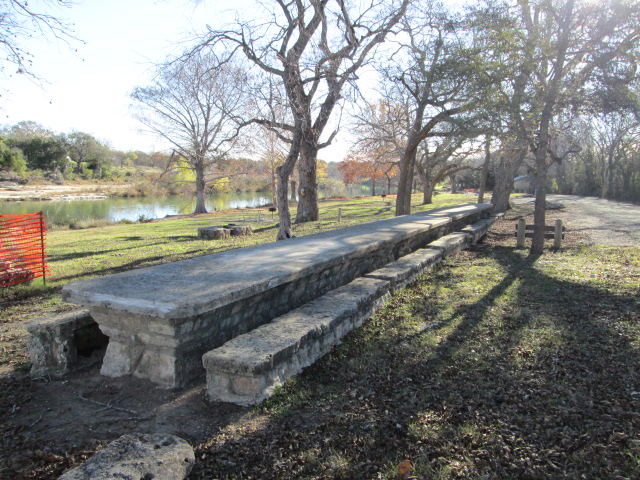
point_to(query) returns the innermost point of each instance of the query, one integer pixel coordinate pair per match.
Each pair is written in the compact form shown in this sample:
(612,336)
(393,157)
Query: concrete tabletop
(197,285)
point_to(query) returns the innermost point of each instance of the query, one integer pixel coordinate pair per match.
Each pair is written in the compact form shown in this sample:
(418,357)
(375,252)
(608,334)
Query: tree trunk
(452,178)
(611,177)
(539,212)
(403,200)
(485,170)
(506,172)
(537,243)
(373,187)
(284,172)
(427,193)
(200,185)
(293,190)
(274,186)
(284,215)
(604,191)
(427,185)
(308,189)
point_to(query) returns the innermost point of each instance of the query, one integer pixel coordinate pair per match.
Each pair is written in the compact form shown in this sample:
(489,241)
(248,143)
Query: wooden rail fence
(555,232)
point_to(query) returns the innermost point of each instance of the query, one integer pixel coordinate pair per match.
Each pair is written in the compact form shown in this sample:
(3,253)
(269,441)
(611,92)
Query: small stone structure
(213,233)
(138,457)
(481,227)
(222,232)
(240,230)
(64,342)
(161,320)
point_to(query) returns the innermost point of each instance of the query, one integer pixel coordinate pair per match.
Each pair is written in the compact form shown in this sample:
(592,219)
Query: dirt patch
(50,424)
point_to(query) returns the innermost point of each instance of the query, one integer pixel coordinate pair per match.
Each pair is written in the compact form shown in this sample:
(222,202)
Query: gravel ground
(603,221)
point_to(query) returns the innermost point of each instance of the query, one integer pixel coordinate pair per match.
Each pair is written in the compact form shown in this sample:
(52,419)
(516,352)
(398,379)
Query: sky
(89,90)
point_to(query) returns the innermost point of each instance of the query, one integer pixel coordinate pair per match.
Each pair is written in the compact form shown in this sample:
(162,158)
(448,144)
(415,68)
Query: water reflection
(132,209)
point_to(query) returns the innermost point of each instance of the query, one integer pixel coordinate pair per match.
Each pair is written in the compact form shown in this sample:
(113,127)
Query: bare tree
(380,128)
(269,142)
(435,75)
(382,131)
(313,49)
(441,158)
(194,105)
(20,22)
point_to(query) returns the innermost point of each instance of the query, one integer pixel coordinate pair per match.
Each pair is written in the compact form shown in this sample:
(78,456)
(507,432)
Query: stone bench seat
(246,369)
(404,270)
(64,342)
(478,229)
(224,231)
(160,320)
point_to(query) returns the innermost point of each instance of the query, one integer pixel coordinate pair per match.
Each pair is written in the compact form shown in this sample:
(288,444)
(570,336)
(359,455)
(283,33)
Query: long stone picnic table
(160,320)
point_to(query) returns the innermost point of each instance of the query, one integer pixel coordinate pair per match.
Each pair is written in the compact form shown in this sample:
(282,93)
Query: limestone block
(138,457)
(452,243)
(55,342)
(239,230)
(401,272)
(249,386)
(120,358)
(478,229)
(213,233)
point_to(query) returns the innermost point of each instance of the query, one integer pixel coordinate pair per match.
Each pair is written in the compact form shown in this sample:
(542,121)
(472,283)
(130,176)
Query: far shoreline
(15,192)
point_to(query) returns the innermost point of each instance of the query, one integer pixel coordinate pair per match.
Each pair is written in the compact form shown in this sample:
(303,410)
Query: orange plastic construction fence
(22,248)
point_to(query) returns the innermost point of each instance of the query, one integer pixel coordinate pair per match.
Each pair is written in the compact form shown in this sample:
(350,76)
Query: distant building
(523,184)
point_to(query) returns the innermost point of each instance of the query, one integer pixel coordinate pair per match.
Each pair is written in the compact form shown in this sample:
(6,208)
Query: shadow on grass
(139,263)
(53,258)
(266,228)
(536,378)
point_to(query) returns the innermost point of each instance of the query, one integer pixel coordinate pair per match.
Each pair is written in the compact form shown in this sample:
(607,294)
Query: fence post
(557,237)
(339,215)
(522,225)
(42,248)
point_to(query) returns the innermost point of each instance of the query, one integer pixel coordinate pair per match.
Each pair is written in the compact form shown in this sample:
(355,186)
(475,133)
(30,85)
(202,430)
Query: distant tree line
(29,151)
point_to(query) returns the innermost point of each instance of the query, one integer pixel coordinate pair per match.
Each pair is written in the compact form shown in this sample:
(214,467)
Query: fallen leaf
(404,468)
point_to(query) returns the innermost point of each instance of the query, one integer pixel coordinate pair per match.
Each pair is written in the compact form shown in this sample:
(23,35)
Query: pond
(67,212)
(64,212)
